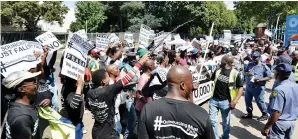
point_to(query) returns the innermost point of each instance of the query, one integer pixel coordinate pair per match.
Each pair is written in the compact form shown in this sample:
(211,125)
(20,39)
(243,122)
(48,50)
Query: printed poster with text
(144,36)
(102,41)
(17,56)
(291,31)
(75,57)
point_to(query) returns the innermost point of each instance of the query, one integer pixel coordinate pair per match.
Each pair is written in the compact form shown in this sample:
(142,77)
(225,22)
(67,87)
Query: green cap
(141,52)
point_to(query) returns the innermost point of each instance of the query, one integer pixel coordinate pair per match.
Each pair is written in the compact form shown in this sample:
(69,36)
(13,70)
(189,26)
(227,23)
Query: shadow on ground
(242,133)
(248,122)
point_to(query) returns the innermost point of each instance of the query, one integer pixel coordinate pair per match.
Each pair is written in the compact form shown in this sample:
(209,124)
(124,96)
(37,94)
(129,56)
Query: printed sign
(268,32)
(17,56)
(237,37)
(177,36)
(50,40)
(114,39)
(102,41)
(195,75)
(129,39)
(158,37)
(144,36)
(203,93)
(75,57)
(291,30)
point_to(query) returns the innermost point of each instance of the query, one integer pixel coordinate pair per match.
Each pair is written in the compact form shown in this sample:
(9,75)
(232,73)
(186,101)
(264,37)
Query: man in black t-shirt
(174,116)
(228,90)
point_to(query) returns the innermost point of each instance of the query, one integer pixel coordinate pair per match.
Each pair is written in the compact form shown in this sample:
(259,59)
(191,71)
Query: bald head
(226,60)
(180,81)
(112,70)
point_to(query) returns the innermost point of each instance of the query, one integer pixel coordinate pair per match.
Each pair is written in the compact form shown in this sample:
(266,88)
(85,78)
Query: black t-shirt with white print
(168,118)
(101,103)
(22,122)
(221,90)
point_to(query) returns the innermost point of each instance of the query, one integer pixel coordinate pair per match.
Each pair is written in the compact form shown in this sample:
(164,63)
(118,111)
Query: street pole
(202,64)
(275,32)
(86,26)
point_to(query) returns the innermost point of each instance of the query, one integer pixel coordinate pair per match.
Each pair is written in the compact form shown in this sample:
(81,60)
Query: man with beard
(174,116)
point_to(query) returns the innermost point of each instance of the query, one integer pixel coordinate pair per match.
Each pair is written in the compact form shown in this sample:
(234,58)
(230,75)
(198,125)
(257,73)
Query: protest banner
(82,33)
(237,37)
(75,57)
(203,93)
(158,37)
(196,78)
(113,39)
(17,56)
(291,28)
(37,47)
(128,37)
(102,41)
(50,40)
(144,36)
(268,33)
(177,36)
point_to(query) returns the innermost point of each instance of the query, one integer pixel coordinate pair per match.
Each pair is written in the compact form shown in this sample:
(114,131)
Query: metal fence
(8,37)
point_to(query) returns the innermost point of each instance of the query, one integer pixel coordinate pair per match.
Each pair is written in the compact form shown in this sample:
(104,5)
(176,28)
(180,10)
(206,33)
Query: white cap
(15,78)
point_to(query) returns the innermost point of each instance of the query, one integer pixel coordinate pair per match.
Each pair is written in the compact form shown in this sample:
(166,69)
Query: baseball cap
(15,78)
(256,54)
(285,59)
(141,52)
(283,67)
(194,51)
(94,51)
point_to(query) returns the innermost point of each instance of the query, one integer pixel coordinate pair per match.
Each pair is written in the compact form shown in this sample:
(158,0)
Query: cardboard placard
(144,36)
(50,40)
(114,39)
(75,57)
(17,56)
(203,93)
(102,41)
(128,37)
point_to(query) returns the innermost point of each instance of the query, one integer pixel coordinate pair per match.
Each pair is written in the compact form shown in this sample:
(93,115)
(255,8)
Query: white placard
(50,40)
(237,37)
(114,39)
(158,37)
(203,93)
(75,57)
(128,37)
(177,36)
(17,56)
(82,33)
(209,38)
(268,32)
(102,41)
(37,47)
(196,78)
(144,36)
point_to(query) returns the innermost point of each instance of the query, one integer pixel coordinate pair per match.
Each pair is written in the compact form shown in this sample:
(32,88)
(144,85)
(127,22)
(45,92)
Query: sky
(70,17)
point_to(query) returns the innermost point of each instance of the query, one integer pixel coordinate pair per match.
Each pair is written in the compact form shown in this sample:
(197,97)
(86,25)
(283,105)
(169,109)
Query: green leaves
(91,12)
(28,13)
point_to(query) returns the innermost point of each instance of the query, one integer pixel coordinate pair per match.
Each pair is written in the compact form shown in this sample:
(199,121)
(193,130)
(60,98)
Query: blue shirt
(284,99)
(259,71)
(291,78)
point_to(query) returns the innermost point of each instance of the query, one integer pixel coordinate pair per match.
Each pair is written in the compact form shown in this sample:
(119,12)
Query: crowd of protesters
(139,93)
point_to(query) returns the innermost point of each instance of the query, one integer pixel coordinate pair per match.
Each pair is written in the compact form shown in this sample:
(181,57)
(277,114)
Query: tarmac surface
(240,128)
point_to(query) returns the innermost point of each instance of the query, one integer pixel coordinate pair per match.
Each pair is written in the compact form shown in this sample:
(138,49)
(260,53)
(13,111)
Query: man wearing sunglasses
(257,74)
(22,118)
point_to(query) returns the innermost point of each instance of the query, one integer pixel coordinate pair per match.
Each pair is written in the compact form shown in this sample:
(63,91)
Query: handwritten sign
(144,36)
(75,57)
(17,56)
(102,41)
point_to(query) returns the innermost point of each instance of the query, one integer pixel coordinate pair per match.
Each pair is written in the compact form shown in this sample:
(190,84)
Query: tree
(91,12)
(28,13)
(265,11)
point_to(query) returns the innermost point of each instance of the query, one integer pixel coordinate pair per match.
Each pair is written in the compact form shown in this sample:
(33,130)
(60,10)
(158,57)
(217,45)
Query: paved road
(240,128)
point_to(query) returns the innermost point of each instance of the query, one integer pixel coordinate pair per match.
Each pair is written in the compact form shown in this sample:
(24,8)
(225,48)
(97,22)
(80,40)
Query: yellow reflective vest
(296,72)
(232,82)
(59,130)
